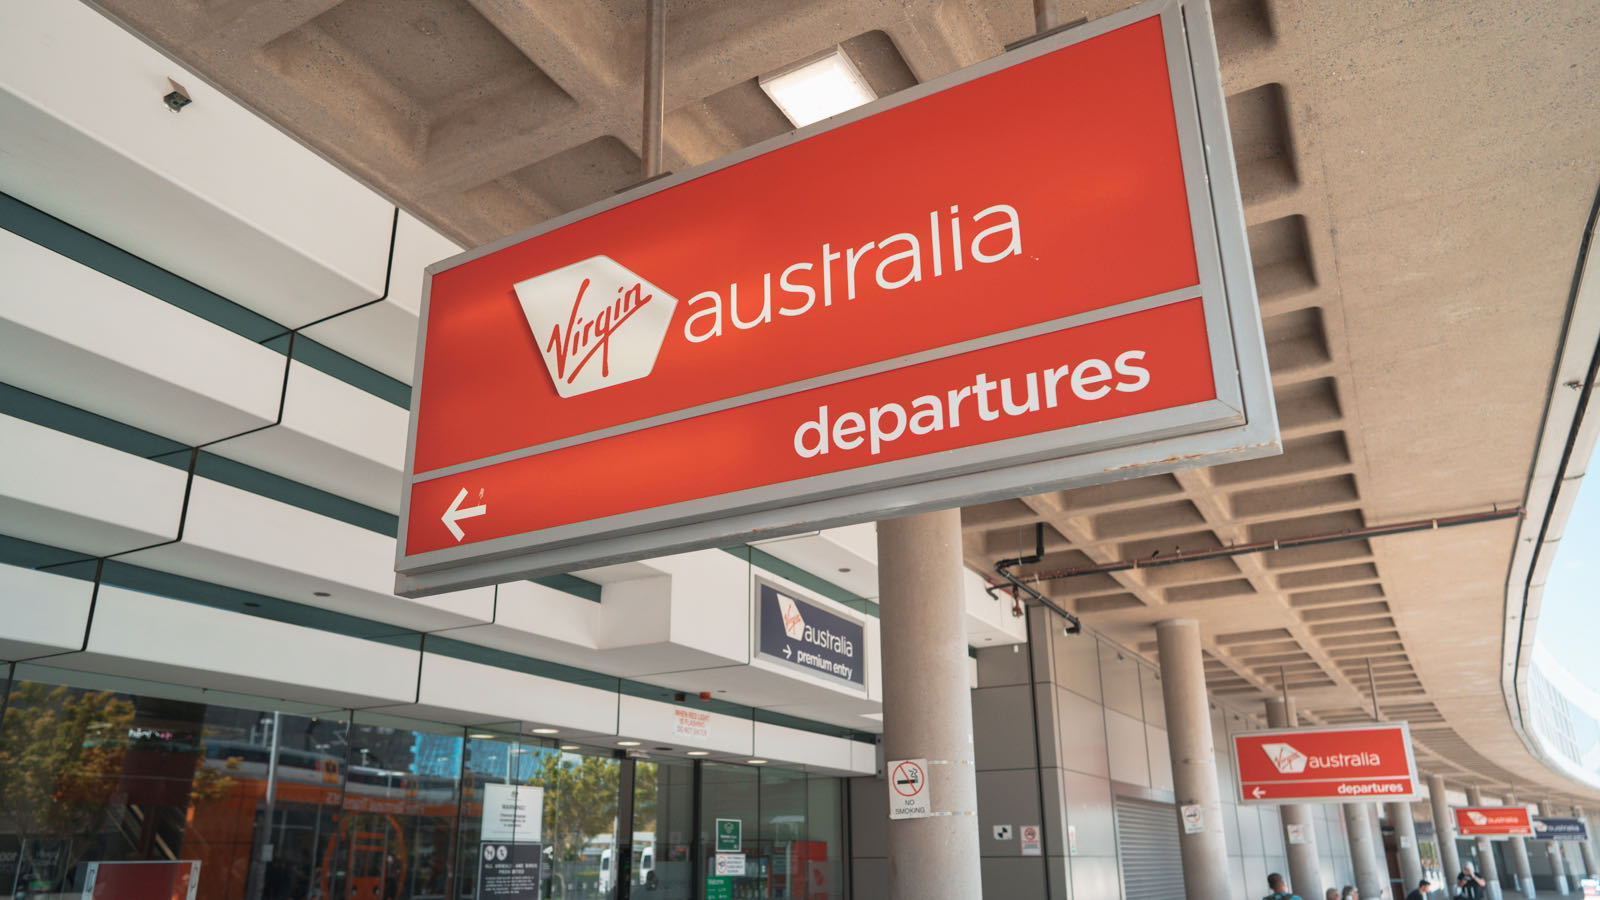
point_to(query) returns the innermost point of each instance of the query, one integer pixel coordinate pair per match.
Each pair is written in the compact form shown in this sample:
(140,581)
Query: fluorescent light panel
(818,88)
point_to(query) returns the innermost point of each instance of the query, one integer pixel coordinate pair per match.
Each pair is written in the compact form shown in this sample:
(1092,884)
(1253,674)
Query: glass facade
(275,805)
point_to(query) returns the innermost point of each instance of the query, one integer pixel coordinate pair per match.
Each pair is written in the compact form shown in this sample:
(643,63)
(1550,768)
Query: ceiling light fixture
(699,752)
(627,743)
(546,731)
(818,88)
(569,746)
(756,762)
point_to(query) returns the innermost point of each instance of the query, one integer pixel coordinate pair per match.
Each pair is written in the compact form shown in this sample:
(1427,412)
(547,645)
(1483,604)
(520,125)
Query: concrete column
(1194,761)
(1586,847)
(1486,864)
(1558,863)
(1405,846)
(1366,852)
(1444,826)
(1305,873)
(1519,858)
(927,703)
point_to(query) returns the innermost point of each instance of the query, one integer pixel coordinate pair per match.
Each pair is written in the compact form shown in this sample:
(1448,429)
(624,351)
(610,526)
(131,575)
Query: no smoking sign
(908,789)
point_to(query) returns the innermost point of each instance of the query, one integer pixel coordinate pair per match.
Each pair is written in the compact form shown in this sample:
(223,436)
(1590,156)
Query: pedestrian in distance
(1280,890)
(1424,888)
(1331,894)
(1349,893)
(1471,884)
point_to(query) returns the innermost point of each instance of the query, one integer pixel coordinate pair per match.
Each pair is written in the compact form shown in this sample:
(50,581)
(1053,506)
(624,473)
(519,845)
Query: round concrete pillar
(927,703)
(1405,846)
(1299,835)
(1366,851)
(1444,826)
(1194,761)
(1519,859)
(1558,863)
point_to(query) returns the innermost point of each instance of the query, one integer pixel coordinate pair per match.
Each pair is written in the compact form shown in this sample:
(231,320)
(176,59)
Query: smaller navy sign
(1547,828)
(800,633)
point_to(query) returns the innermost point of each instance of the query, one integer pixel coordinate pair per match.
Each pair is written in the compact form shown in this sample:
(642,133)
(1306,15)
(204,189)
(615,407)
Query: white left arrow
(1257,792)
(456,513)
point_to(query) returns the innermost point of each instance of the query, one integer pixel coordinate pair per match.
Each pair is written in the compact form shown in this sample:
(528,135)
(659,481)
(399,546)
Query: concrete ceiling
(1416,177)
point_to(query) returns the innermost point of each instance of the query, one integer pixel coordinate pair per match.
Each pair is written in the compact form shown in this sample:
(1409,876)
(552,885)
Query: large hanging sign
(1297,765)
(1025,276)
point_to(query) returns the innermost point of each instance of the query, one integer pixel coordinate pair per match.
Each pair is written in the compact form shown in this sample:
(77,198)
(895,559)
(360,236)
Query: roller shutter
(1147,848)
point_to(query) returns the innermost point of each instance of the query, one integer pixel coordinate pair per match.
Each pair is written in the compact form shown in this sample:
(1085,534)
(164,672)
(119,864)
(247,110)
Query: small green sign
(719,887)
(730,835)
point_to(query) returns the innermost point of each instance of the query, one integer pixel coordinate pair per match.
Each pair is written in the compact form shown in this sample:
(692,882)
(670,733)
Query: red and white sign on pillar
(1493,821)
(1028,275)
(1337,765)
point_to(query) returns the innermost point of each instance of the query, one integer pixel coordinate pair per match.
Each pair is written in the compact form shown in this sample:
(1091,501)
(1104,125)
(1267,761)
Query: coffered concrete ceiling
(1416,176)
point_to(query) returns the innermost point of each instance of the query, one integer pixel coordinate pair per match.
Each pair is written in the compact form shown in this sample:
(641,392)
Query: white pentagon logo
(596,323)
(1285,758)
(793,624)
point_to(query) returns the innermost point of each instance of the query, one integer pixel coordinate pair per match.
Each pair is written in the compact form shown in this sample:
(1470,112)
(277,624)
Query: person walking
(1280,890)
(1471,884)
(1423,889)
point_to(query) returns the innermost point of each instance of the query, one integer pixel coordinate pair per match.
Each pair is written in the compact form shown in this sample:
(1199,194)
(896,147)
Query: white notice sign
(1031,845)
(1194,819)
(691,723)
(512,813)
(1297,833)
(730,864)
(908,789)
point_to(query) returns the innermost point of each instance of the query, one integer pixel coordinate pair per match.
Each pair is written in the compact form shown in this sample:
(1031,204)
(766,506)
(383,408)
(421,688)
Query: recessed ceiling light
(547,731)
(482,736)
(756,762)
(627,743)
(818,88)
(569,746)
(699,752)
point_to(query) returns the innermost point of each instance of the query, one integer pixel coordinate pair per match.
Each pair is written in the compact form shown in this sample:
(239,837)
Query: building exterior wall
(1101,734)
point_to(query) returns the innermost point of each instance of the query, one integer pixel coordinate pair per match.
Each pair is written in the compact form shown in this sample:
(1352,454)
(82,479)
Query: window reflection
(282,806)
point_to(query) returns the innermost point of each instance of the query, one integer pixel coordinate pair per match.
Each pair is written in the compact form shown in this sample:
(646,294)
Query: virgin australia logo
(1285,758)
(793,625)
(597,324)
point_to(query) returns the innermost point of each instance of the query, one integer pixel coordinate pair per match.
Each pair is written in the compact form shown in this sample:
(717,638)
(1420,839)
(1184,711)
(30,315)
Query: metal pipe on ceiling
(1332,537)
(655,83)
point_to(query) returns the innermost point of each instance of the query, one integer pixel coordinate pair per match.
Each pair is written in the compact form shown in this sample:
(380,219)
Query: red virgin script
(593,335)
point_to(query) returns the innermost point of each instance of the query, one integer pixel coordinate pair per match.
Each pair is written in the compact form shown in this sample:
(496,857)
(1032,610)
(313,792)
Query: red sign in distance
(1493,821)
(1331,764)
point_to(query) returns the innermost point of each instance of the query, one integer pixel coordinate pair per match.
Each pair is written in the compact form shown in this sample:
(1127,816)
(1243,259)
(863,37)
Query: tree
(61,760)
(580,801)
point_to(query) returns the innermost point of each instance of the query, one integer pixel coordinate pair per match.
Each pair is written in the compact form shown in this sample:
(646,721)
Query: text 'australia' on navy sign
(806,635)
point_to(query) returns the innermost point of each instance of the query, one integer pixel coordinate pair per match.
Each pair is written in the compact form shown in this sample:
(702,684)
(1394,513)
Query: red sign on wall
(1371,762)
(1003,280)
(1493,821)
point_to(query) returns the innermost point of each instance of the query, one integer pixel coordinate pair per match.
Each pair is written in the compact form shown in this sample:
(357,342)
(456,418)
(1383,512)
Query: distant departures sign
(1028,275)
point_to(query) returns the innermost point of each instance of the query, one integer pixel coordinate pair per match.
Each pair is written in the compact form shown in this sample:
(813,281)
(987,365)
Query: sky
(1569,614)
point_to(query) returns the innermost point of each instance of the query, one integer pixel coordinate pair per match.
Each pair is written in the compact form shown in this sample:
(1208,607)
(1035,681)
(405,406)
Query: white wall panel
(333,436)
(651,722)
(72,334)
(1125,743)
(239,539)
(213,193)
(1160,758)
(384,335)
(64,491)
(473,693)
(43,613)
(146,636)
(793,746)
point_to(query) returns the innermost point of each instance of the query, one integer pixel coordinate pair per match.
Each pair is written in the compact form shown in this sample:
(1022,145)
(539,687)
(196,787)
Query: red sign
(1493,821)
(1372,762)
(963,281)
(141,880)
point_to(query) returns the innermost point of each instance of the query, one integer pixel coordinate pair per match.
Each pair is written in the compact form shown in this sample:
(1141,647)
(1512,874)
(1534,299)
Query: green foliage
(61,760)
(580,801)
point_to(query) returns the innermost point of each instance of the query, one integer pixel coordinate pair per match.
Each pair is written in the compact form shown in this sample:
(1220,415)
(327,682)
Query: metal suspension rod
(655,83)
